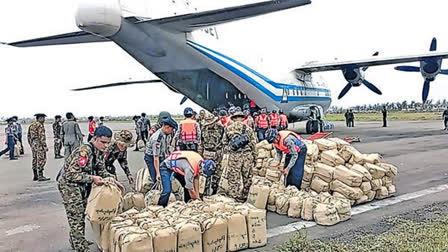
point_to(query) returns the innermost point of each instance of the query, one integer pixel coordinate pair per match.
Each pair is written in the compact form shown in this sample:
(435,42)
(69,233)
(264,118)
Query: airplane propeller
(430,67)
(355,77)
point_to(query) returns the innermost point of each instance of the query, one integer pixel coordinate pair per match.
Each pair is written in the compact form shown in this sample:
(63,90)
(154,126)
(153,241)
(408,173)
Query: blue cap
(170,122)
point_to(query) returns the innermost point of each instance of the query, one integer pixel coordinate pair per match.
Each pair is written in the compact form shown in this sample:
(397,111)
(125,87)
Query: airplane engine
(99,17)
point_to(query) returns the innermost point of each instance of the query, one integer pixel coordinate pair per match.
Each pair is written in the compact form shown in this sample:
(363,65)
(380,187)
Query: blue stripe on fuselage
(274,84)
(261,87)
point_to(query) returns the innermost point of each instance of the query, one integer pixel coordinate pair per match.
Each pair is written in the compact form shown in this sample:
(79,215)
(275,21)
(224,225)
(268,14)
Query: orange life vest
(193,158)
(274,119)
(225,121)
(92,127)
(280,144)
(262,122)
(188,130)
(283,120)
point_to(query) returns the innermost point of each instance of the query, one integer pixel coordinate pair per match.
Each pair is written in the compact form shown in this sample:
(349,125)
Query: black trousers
(144,134)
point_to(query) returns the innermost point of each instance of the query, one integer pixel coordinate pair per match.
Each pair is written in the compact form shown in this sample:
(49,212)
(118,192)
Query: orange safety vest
(193,158)
(280,144)
(274,119)
(283,120)
(226,121)
(188,130)
(262,122)
(92,127)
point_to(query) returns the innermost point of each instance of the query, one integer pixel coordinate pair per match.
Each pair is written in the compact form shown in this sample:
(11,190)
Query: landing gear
(313,126)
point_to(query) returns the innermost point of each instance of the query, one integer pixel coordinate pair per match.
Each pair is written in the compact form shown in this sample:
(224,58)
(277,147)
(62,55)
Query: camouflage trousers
(75,207)
(57,146)
(216,156)
(236,176)
(39,159)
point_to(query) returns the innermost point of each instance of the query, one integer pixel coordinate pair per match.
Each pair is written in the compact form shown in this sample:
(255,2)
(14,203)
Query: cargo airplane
(168,47)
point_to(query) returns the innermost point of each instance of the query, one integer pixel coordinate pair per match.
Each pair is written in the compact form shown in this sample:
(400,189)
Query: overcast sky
(39,79)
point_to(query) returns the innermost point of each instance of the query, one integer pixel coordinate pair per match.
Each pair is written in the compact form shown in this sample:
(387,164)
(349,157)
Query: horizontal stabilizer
(62,39)
(116,84)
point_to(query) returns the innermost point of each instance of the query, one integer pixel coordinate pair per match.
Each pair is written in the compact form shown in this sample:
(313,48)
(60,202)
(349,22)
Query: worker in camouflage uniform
(84,166)
(211,148)
(37,141)
(57,133)
(201,117)
(118,151)
(239,143)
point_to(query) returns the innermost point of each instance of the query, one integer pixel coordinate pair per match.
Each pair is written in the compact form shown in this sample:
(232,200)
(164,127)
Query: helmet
(222,113)
(124,136)
(280,111)
(274,111)
(208,167)
(164,115)
(245,106)
(270,135)
(232,110)
(238,109)
(246,112)
(188,112)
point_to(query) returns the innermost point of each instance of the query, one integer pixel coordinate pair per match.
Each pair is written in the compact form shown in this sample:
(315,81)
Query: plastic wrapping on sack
(350,178)
(103,202)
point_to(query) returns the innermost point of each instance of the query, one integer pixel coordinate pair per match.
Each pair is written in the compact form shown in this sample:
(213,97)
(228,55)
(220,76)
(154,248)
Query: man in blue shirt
(11,138)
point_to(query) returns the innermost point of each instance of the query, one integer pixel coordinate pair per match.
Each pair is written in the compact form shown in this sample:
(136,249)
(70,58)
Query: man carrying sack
(84,166)
(292,144)
(118,151)
(185,166)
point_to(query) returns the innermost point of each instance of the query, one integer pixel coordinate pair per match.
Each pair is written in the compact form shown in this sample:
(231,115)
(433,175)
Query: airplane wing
(368,62)
(199,20)
(117,84)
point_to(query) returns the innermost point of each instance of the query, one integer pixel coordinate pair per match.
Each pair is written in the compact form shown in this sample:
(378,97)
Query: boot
(42,177)
(36,176)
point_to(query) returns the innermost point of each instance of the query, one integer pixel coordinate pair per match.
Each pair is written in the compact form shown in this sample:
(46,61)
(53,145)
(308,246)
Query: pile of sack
(267,163)
(336,167)
(143,184)
(215,224)
(323,208)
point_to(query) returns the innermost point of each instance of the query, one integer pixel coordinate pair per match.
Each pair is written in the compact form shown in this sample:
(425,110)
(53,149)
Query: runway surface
(32,217)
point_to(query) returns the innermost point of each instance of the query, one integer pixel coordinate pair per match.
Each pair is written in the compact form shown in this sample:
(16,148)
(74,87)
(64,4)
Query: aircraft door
(285,95)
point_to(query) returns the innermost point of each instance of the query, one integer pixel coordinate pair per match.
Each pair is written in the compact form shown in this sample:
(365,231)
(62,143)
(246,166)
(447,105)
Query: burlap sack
(391,190)
(324,172)
(307,208)
(391,170)
(324,197)
(319,185)
(189,236)
(325,214)
(237,238)
(273,175)
(312,151)
(274,154)
(105,237)
(376,171)
(366,187)
(143,181)
(387,181)
(261,145)
(343,207)
(332,158)
(339,195)
(339,142)
(256,227)
(133,200)
(273,194)
(382,193)
(362,200)
(352,193)
(295,207)
(17,149)
(214,237)
(346,152)
(292,191)
(366,176)
(372,158)
(152,197)
(262,154)
(165,239)
(115,230)
(259,163)
(376,184)
(308,172)
(274,163)
(103,202)
(349,177)
(282,204)
(202,182)
(258,195)
(262,172)
(118,237)
(305,185)
(371,195)
(324,144)
(271,208)
(137,241)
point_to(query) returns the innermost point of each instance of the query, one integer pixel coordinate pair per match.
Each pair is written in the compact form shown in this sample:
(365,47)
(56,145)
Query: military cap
(57,117)
(40,115)
(164,114)
(210,118)
(103,131)
(238,114)
(170,122)
(124,136)
(11,119)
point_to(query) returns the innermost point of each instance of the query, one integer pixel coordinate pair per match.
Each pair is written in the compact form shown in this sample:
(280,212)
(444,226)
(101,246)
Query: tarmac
(32,217)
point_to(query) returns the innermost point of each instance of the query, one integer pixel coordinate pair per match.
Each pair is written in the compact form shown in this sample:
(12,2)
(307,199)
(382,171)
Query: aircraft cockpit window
(227,95)
(239,96)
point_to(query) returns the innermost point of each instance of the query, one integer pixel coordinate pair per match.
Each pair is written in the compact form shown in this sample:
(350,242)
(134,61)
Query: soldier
(19,133)
(292,144)
(185,166)
(201,117)
(71,134)
(189,133)
(57,133)
(11,136)
(211,147)
(86,165)
(384,111)
(118,151)
(157,148)
(37,141)
(239,142)
(249,120)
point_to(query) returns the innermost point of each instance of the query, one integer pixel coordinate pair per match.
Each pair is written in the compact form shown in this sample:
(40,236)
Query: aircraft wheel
(308,127)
